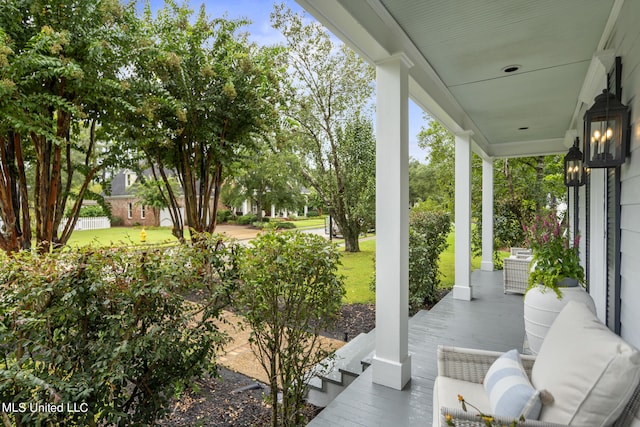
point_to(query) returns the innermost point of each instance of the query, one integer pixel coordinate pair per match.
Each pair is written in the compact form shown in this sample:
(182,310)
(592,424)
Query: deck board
(491,321)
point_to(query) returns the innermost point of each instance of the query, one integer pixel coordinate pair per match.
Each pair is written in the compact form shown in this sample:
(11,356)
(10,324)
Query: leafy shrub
(91,211)
(290,292)
(312,213)
(247,219)
(428,233)
(108,329)
(508,220)
(223,216)
(284,225)
(116,221)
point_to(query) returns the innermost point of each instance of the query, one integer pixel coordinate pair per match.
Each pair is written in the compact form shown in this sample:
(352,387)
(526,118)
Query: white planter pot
(542,307)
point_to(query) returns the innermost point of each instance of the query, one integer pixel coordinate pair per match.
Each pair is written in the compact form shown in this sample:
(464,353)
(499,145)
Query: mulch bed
(221,402)
(235,400)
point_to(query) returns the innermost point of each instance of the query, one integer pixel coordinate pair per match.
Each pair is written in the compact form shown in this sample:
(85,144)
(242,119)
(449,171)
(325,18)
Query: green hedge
(277,225)
(109,330)
(223,215)
(247,219)
(428,233)
(91,211)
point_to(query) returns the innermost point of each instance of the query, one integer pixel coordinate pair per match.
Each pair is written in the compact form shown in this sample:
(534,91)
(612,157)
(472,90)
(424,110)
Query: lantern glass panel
(604,139)
(573,172)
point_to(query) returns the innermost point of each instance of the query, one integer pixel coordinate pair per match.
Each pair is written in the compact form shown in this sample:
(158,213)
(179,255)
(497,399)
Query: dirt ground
(237,354)
(240,232)
(237,399)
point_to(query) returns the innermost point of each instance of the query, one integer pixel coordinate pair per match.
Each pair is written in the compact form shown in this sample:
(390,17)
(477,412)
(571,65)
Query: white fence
(87,223)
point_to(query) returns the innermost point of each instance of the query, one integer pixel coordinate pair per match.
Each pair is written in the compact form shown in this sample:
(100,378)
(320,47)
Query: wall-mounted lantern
(606,133)
(573,166)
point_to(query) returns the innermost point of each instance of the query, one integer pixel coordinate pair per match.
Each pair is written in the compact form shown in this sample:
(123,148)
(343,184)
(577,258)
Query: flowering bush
(555,257)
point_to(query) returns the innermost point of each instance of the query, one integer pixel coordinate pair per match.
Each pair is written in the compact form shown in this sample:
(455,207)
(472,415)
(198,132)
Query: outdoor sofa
(587,376)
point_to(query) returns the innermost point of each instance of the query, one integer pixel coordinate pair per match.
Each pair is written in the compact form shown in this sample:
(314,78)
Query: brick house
(124,204)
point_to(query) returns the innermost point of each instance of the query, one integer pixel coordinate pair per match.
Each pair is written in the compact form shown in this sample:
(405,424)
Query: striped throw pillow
(509,390)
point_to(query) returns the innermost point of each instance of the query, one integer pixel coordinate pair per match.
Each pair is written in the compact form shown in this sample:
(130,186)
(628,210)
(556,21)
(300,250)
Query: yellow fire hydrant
(143,236)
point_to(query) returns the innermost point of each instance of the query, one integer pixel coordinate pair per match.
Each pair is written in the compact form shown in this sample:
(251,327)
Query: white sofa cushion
(445,395)
(590,371)
(509,390)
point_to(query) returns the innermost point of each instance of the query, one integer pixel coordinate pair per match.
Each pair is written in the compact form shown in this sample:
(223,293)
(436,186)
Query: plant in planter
(557,267)
(556,259)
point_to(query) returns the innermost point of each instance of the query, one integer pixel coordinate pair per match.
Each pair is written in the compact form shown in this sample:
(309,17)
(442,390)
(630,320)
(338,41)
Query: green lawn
(313,222)
(447,263)
(121,235)
(358,269)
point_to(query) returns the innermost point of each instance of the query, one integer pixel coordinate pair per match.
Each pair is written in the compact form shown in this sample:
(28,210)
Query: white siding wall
(625,41)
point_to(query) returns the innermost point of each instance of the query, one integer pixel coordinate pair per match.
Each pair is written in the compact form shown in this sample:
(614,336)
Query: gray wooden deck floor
(491,321)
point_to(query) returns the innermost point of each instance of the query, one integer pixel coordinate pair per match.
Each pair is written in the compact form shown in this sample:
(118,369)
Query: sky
(261,32)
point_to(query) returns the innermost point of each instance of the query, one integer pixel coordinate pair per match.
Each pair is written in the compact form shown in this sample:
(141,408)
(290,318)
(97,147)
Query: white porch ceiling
(459,49)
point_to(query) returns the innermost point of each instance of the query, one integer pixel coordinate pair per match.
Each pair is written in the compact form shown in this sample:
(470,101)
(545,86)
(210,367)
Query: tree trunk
(351,242)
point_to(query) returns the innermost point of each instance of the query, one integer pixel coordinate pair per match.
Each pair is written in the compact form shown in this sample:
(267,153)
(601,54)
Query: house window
(130,179)
(143,213)
(130,210)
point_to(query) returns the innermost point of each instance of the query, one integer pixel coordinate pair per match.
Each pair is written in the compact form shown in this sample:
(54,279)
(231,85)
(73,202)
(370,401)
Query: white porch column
(462,288)
(306,209)
(392,363)
(487,215)
(245,207)
(273,211)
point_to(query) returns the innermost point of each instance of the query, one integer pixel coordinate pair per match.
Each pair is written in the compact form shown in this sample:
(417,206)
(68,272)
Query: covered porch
(508,78)
(493,321)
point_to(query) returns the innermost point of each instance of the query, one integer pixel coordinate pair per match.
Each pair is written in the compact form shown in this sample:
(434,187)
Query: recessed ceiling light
(510,68)
(523,128)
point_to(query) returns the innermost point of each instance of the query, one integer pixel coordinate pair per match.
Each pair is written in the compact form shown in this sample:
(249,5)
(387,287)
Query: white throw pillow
(509,390)
(590,371)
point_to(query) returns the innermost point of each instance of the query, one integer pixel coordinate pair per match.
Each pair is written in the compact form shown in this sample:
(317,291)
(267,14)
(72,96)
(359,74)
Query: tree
(199,94)
(59,71)
(334,137)
(267,179)
(421,182)
(523,188)
(290,292)
(440,144)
